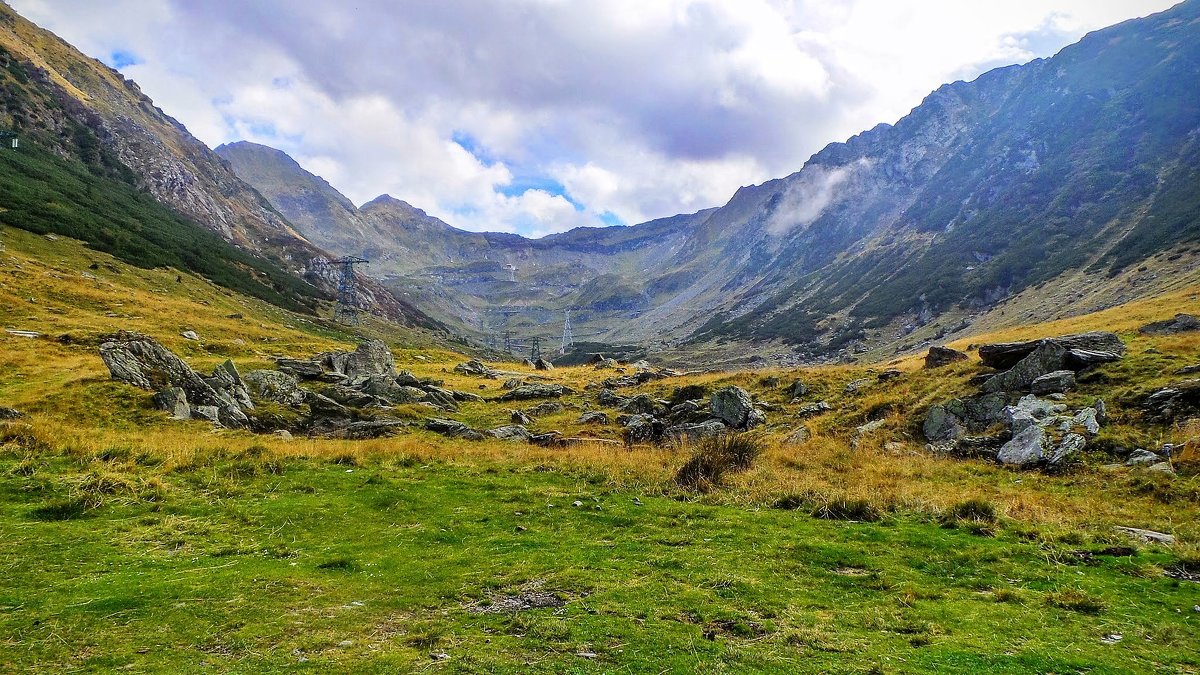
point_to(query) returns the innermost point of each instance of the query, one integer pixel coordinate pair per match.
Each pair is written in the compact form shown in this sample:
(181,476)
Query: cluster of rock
(1008,421)
(351,384)
(647,420)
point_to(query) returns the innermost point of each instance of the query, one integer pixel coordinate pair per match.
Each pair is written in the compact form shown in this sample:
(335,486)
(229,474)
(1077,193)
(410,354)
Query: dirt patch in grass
(530,596)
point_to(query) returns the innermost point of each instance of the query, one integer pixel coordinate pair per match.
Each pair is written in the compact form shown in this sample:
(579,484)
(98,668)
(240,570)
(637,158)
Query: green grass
(237,563)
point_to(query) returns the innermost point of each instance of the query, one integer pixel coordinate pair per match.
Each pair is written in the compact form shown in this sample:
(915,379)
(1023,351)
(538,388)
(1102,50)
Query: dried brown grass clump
(717,456)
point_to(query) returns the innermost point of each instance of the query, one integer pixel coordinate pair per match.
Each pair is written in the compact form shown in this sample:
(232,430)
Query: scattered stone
(1189,370)
(812,409)
(889,374)
(543,364)
(733,406)
(1067,449)
(1182,323)
(368,429)
(545,408)
(1087,419)
(798,390)
(1057,382)
(641,404)
(1162,467)
(642,429)
(10,414)
(943,356)
(190,335)
(519,417)
(207,412)
(22,333)
(323,407)
(282,434)
(1148,535)
(1176,401)
(870,427)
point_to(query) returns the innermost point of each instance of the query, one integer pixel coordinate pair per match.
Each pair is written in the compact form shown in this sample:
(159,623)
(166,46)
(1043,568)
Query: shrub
(717,456)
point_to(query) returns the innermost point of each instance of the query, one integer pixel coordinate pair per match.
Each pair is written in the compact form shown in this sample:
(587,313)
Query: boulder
(611,398)
(466,396)
(1182,323)
(1067,449)
(323,407)
(452,428)
(1003,356)
(756,418)
(642,429)
(534,391)
(1047,357)
(1176,401)
(174,401)
(300,369)
(543,364)
(1057,382)
(593,417)
(519,417)
(640,404)
(406,394)
(368,429)
(550,439)
(276,386)
(1025,449)
(943,356)
(942,425)
(190,335)
(1142,457)
(1087,419)
(1162,467)
(511,432)
(227,382)
(545,408)
(442,398)
(889,374)
(695,432)
(732,405)
(206,412)
(370,358)
(405,378)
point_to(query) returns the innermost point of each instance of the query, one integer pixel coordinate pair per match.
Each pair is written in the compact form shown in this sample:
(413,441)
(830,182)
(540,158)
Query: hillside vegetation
(136,541)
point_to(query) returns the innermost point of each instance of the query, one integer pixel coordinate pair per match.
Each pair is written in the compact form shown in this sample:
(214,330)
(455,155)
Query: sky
(537,116)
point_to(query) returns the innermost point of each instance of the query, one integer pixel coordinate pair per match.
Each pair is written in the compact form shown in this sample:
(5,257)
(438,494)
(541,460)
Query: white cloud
(639,108)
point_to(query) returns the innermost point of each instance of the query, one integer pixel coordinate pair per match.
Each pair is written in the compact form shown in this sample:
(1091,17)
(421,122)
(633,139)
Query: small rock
(576,503)
(856,386)
(812,409)
(1112,638)
(1182,323)
(282,434)
(519,417)
(190,335)
(1162,467)
(797,390)
(1142,457)
(890,374)
(798,437)
(10,414)
(1148,535)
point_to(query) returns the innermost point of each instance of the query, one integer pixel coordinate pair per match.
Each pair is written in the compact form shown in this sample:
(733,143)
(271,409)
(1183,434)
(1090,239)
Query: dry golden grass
(75,409)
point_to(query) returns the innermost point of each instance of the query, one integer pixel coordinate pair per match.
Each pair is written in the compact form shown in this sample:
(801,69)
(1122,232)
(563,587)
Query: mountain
(1035,186)
(78,110)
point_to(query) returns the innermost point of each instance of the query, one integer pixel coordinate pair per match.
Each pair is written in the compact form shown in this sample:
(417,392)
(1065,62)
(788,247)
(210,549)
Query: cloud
(636,109)
(808,197)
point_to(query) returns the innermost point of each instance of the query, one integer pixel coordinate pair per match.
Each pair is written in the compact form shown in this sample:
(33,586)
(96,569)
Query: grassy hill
(133,541)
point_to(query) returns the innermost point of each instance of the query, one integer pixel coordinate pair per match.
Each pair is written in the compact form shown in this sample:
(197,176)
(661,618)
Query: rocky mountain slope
(79,109)
(990,190)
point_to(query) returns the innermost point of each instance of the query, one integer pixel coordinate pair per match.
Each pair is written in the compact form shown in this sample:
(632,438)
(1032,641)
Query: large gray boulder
(174,401)
(1047,357)
(1025,449)
(303,369)
(452,429)
(277,386)
(511,432)
(732,405)
(1102,344)
(1179,400)
(642,428)
(227,382)
(370,358)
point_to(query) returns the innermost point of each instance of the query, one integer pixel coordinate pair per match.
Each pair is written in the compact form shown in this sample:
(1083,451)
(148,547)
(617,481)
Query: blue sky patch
(122,59)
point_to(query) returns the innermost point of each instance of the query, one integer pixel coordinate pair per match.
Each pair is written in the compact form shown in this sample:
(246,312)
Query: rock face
(1025,449)
(732,405)
(943,356)
(1182,323)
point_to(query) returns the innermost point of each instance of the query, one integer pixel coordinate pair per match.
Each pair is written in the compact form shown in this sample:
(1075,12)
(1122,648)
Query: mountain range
(1056,187)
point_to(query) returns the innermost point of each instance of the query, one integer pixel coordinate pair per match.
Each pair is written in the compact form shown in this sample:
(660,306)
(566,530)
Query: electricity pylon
(567,338)
(346,311)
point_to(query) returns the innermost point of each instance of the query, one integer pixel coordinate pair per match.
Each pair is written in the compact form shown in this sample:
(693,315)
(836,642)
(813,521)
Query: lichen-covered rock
(511,432)
(1182,323)
(277,386)
(732,405)
(535,391)
(174,401)
(1046,358)
(695,432)
(593,417)
(1101,344)
(642,429)
(452,428)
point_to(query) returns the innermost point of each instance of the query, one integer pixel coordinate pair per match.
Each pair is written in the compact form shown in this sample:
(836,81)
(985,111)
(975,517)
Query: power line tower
(346,311)
(508,341)
(535,351)
(567,338)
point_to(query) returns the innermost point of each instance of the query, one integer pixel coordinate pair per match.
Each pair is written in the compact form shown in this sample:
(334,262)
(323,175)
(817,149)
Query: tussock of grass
(717,456)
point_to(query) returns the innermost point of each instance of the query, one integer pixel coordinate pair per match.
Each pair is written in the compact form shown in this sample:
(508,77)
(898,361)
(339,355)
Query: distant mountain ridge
(1088,160)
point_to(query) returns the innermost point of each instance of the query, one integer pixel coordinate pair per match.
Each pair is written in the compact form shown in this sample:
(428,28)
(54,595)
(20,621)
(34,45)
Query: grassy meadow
(129,541)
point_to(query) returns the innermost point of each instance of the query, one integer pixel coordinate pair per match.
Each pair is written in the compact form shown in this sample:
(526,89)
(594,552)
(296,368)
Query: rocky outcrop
(1176,401)
(1182,323)
(943,356)
(1057,382)
(526,392)
(452,429)
(277,386)
(1082,349)
(141,361)
(477,368)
